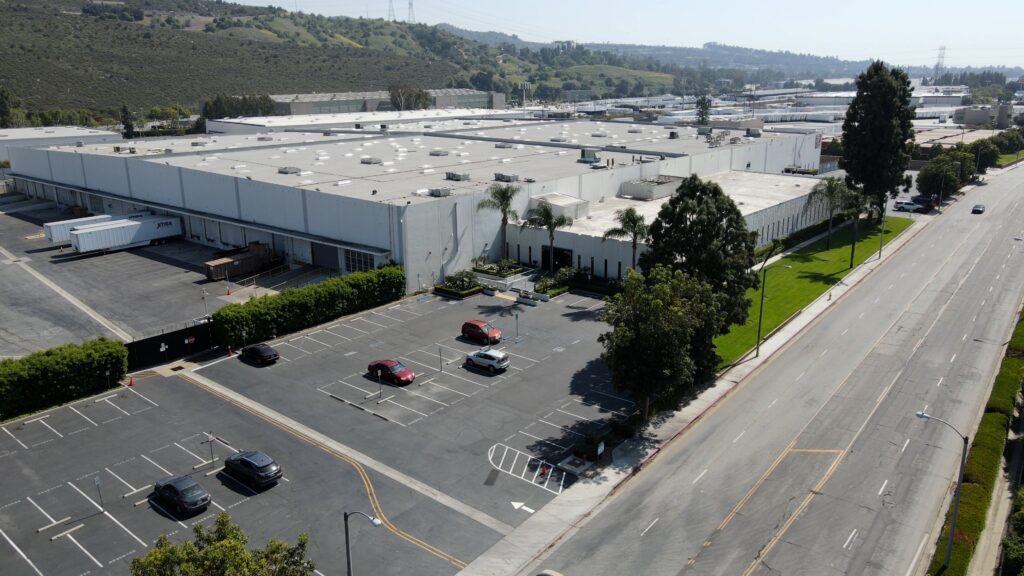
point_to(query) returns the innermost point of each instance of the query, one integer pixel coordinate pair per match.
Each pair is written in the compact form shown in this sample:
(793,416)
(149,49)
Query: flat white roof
(751,191)
(340,118)
(12,134)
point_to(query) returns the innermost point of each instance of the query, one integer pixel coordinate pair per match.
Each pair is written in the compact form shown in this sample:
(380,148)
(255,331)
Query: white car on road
(492,360)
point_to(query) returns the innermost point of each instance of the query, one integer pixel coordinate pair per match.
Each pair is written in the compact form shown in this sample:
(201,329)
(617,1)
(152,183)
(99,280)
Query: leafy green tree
(9,104)
(940,176)
(221,551)
(703,109)
(543,216)
(878,133)
(986,154)
(701,232)
(408,97)
(832,192)
(632,226)
(127,122)
(500,197)
(649,316)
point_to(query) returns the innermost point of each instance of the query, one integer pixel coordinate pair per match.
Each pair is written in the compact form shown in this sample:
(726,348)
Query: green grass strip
(814,270)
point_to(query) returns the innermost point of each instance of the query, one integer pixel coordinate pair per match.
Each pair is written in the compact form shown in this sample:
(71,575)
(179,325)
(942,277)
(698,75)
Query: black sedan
(260,354)
(182,493)
(254,468)
(978,209)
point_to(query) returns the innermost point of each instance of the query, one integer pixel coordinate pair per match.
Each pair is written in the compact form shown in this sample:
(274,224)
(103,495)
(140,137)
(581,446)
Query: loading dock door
(326,256)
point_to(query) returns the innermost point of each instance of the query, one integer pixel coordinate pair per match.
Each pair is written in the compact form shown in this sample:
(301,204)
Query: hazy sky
(898,31)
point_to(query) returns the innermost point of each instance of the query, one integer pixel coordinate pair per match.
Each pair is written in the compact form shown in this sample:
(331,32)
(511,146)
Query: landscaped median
(984,464)
(798,279)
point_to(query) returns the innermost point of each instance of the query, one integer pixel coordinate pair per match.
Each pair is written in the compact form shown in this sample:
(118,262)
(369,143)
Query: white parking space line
(562,428)
(133,391)
(905,445)
(164,470)
(154,504)
(41,511)
(13,437)
(130,487)
(585,403)
(361,319)
(318,342)
(43,422)
(539,439)
(389,399)
(577,416)
(87,419)
(849,539)
(882,489)
(385,316)
(193,454)
(107,514)
(614,396)
(342,336)
(107,400)
(68,535)
(598,305)
(699,476)
(428,398)
(649,526)
(431,382)
(219,507)
(20,553)
(356,387)
(504,349)
(406,359)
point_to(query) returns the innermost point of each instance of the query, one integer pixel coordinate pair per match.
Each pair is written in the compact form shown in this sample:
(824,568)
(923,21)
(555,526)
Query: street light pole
(959,483)
(348,549)
(760,311)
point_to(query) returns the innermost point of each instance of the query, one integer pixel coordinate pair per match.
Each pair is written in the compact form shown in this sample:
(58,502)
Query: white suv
(492,360)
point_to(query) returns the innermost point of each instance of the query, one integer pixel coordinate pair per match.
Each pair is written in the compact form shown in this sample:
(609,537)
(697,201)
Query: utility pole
(412,14)
(391,10)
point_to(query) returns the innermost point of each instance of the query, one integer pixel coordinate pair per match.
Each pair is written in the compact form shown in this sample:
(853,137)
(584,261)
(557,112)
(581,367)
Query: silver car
(492,360)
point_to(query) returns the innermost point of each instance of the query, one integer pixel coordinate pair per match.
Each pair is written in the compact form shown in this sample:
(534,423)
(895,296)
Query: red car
(391,370)
(481,332)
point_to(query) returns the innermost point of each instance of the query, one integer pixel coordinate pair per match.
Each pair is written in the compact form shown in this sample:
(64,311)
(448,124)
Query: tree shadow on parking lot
(583,315)
(501,310)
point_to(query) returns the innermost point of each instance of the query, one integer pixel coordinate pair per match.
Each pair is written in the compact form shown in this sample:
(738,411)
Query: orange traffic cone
(131,380)
(229,289)
(230,353)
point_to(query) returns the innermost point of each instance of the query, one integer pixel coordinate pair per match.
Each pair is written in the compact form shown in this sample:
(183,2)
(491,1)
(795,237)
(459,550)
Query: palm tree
(500,199)
(544,217)
(632,226)
(833,192)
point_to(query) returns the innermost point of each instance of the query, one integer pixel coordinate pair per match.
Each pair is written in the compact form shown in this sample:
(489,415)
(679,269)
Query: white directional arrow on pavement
(523,507)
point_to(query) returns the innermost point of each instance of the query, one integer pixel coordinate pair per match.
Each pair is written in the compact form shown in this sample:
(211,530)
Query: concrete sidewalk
(532,540)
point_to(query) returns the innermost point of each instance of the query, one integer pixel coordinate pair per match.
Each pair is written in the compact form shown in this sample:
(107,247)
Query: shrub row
(58,375)
(984,464)
(266,317)
(447,292)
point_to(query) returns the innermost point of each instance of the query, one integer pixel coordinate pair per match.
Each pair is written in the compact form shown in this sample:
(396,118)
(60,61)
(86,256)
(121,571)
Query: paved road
(817,465)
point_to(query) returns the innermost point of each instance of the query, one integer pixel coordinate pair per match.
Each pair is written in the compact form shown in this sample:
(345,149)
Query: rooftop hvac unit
(79,144)
(499,177)
(198,143)
(599,134)
(503,145)
(288,170)
(588,156)
(131,150)
(673,135)
(117,149)
(370,160)
(557,139)
(456,176)
(438,152)
(754,132)
(703,130)
(440,192)
(264,138)
(635,131)
(359,126)
(168,150)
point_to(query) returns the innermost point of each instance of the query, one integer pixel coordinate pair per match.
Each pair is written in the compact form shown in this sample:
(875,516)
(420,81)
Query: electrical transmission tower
(391,10)
(412,14)
(940,64)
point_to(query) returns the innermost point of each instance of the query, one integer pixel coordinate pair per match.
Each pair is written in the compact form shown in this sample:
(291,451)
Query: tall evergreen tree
(8,104)
(878,133)
(127,122)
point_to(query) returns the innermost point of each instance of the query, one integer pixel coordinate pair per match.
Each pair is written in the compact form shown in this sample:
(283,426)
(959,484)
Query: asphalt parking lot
(78,480)
(480,438)
(169,278)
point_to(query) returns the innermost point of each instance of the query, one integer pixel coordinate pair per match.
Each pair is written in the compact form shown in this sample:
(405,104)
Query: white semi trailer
(60,232)
(122,234)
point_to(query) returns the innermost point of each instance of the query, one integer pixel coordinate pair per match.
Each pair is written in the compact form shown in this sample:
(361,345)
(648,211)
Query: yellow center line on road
(371,494)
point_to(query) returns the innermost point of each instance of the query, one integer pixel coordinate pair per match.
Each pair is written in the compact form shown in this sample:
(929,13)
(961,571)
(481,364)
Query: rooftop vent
(599,134)
(79,144)
(703,130)
(558,139)
(503,145)
(456,176)
(673,135)
(198,143)
(438,152)
(440,192)
(264,138)
(168,150)
(635,131)
(499,177)
(370,160)
(117,149)
(288,170)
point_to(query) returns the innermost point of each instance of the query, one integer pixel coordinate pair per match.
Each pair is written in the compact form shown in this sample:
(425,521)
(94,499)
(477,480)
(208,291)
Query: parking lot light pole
(959,483)
(206,307)
(348,549)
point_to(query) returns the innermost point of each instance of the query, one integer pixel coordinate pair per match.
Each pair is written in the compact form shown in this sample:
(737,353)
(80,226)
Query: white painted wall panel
(349,219)
(271,204)
(106,174)
(207,192)
(67,168)
(29,162)
(155,182)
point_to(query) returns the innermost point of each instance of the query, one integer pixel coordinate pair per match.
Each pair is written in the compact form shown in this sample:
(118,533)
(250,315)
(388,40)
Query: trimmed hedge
(1016,345)
(985,456)
(1008,383)
(974,501)
(556,290)
(266,317)
(59,375)
(447,292)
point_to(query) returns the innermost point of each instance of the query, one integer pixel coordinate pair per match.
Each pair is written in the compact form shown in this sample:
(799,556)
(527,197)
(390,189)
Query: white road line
(800,376)
(351,353)
(153,503)
(882,489)
(860,316)
(964,338)
(107,514)
(939,383)
(699,476)
(773,402)
(823,352)
(917,555)
(164,470)
(989,288)
(575,342)
(849,540)
(649,526)
(905,445)
(133,391)
(843,333)
(503,455)
(12,436)
(889,288)
(953,358)
(187,451)
(975,319)
(87,419)
(983,302)
(738,437)
(20,553)
(876,300)
(573,415)
(130,487)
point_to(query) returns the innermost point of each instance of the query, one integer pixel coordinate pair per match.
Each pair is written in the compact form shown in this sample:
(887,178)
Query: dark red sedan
(391,370)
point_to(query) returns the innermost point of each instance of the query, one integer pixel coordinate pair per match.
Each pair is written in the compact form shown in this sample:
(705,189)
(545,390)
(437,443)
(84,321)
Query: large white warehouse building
(354,200)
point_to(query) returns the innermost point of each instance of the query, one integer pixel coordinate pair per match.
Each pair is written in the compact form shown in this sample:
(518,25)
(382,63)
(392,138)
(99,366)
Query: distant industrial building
(380,101)
(51,136)
(844,99)
(358,121)
(356,199)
